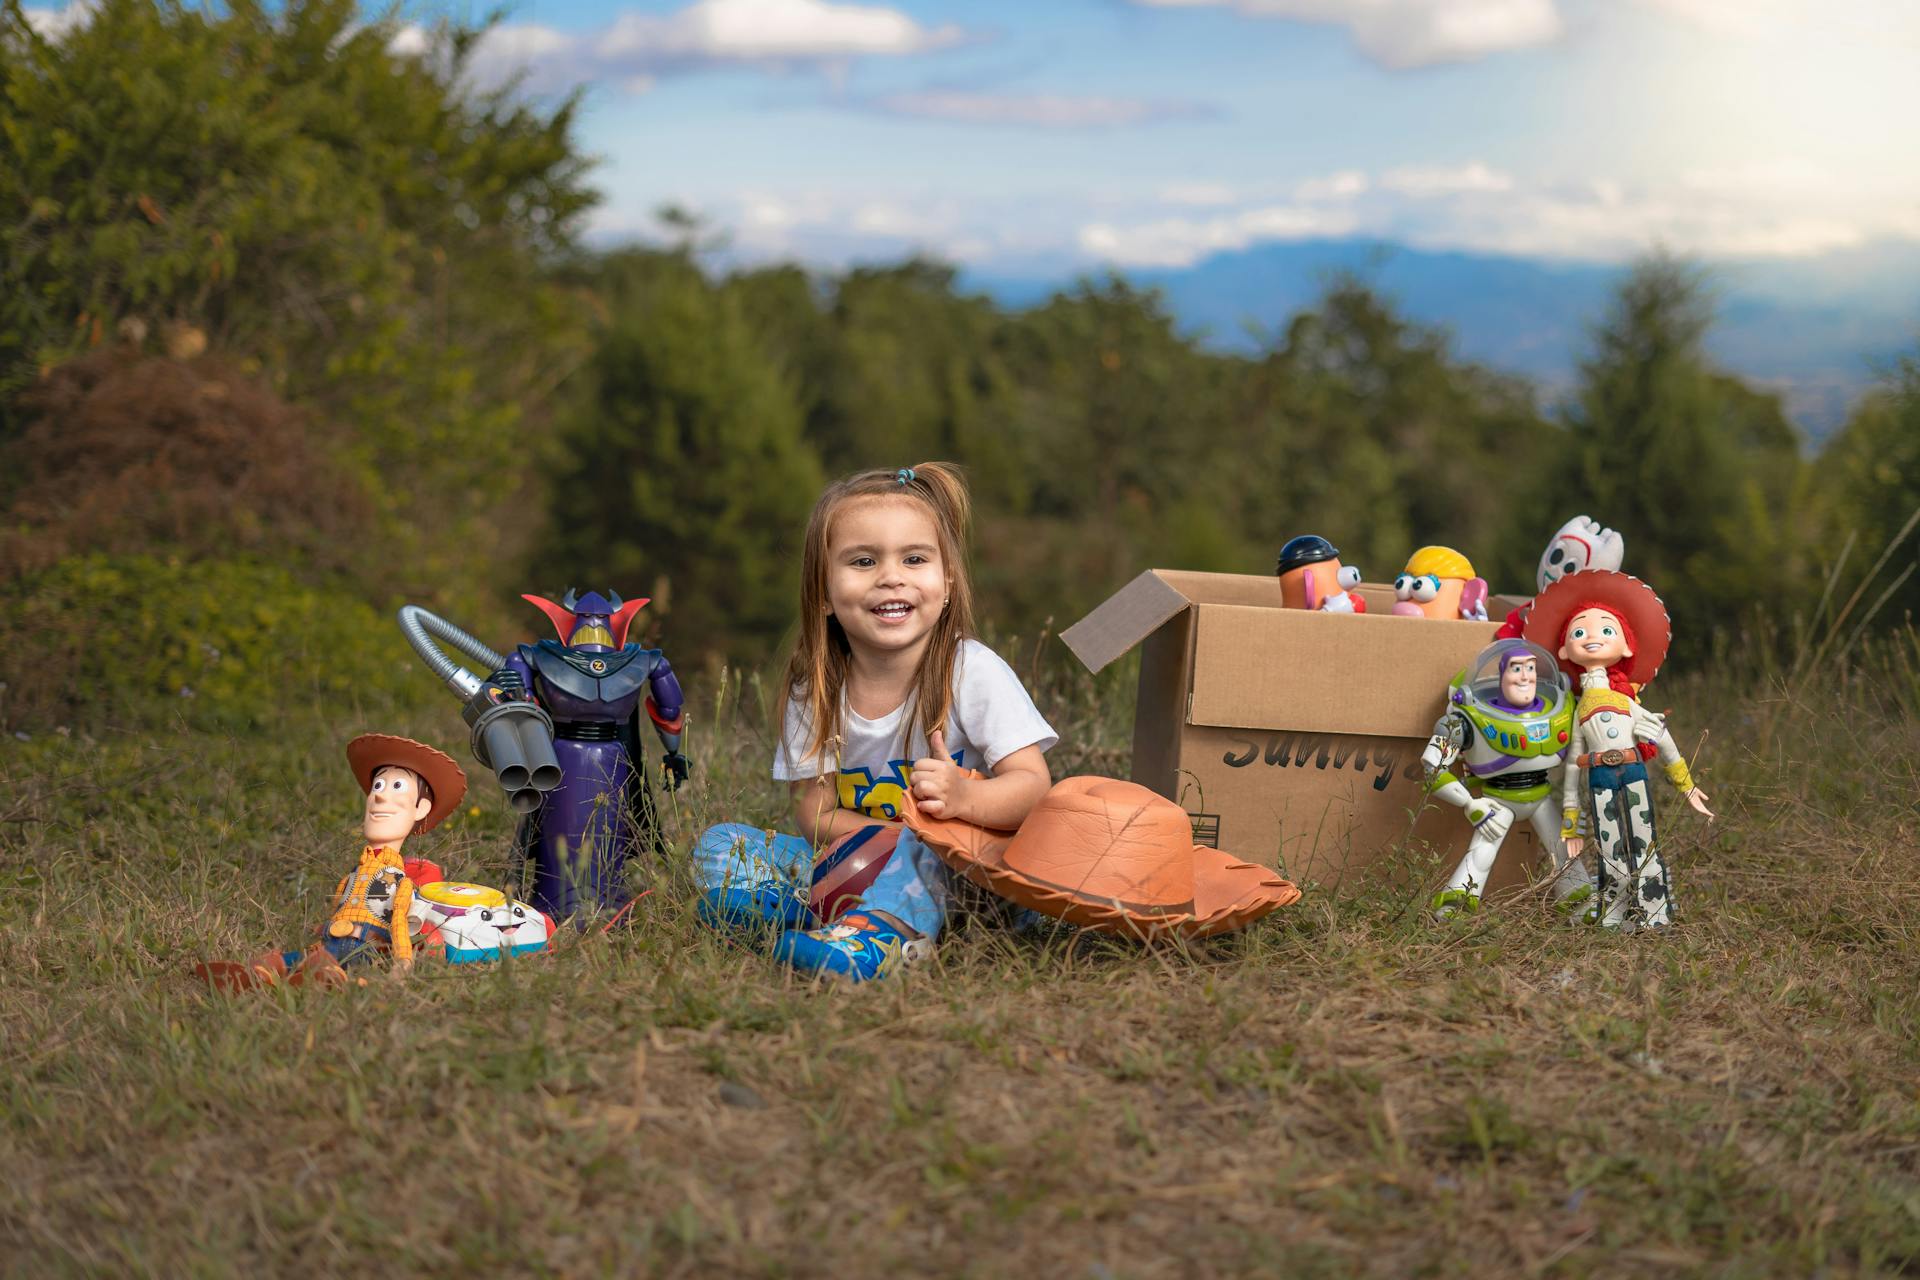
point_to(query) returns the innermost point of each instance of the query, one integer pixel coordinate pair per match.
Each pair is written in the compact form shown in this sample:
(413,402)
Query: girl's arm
(817,812)
(943,789)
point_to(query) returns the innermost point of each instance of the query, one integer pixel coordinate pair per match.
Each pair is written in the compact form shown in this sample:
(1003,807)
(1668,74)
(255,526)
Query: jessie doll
(1611,631)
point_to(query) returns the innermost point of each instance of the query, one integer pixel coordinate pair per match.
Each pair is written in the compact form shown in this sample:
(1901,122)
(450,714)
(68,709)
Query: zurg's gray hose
(420,626)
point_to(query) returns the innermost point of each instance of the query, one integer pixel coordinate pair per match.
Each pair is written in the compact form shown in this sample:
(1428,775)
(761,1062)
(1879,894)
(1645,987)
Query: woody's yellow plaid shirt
(350,900)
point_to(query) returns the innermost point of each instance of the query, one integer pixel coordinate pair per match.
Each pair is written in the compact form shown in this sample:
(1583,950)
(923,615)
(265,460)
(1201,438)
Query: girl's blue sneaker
(770,904)
(859,945)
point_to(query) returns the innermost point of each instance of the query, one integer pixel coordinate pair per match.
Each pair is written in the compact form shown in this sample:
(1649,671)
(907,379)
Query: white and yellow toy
(474,922)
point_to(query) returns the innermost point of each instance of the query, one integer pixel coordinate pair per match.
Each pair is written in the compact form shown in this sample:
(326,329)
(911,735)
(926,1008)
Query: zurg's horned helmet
(590,621)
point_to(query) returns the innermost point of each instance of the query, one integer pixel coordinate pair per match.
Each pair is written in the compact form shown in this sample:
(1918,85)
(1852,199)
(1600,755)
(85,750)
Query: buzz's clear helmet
(1480,682)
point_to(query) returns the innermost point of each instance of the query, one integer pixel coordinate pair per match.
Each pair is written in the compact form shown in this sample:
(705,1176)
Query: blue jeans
(913,888)
(349,950)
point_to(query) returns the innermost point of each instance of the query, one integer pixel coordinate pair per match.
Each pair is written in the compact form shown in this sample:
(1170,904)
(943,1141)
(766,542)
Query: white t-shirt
(991,718)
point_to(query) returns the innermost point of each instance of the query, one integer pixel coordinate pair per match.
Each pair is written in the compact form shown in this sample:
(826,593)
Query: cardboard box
(1292,737)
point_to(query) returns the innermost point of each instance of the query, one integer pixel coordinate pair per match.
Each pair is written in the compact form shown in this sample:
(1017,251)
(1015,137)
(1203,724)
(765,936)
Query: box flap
(1313,672)
(1262,590)
(1124,619)
(1146,604)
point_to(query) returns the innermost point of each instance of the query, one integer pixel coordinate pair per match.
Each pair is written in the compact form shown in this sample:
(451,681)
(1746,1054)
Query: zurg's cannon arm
(422,626)
(512,735)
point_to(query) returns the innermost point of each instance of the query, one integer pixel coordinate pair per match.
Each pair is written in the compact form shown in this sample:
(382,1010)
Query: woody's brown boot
(268,968)
(319,967)
(264,970)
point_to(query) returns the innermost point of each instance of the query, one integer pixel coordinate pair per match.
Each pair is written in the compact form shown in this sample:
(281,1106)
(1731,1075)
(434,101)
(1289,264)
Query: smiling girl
(887,690)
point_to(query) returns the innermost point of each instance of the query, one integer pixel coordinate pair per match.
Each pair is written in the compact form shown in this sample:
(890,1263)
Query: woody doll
(410,788)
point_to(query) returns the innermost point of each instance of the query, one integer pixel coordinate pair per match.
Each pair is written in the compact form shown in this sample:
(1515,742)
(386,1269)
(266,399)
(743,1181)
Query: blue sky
(1058,134)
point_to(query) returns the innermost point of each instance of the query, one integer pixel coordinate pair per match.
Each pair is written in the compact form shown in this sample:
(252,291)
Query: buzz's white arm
(1442,750)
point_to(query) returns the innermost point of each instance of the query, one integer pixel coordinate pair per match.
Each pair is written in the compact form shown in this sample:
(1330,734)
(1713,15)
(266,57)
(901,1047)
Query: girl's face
(886,580)
(1595,638)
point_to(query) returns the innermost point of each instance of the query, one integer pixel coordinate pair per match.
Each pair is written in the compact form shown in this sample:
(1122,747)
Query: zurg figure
(559,723)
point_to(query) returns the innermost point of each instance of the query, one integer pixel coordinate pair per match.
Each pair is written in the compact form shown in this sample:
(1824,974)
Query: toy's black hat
(1308,548)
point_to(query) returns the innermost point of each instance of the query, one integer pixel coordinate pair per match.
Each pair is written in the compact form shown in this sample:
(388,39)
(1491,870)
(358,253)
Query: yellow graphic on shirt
(878,795)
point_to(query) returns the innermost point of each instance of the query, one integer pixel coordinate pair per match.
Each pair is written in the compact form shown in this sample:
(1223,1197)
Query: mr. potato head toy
(1312,577)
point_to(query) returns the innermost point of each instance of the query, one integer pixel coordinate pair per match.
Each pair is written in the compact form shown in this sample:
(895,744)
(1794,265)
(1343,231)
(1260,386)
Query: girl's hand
(939,785)
(1698,799)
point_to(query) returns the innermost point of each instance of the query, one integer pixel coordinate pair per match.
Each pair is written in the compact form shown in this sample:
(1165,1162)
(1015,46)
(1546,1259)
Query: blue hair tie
(904,475)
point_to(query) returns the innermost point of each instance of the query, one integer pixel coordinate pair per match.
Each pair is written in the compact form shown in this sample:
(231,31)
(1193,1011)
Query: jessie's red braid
(1616,678)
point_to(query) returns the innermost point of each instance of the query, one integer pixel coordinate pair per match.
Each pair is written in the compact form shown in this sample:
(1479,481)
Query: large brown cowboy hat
(371,752)
(1621,594)
(1110,856)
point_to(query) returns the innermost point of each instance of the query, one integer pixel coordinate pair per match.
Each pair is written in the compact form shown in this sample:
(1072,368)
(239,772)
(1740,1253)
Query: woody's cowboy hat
(374,751)
(1621,594)
(1110,856)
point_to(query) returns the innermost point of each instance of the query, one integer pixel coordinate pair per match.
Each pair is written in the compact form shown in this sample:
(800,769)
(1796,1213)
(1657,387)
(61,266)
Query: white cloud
(1424,181)
(1335,186)
(772,31)
(900,222)
(1197,194)
(637,48)
(837,226)
(542,54)
(1778,209)
(1411,33)
(1031,110)
(52,24)
(1177,242)
(1886,21)
(411,41)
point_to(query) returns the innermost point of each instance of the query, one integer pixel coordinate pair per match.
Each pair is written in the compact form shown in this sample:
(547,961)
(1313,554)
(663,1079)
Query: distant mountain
(1817,330)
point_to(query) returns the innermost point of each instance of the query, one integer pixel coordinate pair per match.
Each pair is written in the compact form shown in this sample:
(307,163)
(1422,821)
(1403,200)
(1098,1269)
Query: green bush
(127,640)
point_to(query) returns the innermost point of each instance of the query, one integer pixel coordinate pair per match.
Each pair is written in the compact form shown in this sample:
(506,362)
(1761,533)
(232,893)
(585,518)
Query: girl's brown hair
(817,671)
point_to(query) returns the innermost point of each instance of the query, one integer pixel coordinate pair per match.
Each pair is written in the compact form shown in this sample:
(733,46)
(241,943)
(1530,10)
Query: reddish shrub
(129,455)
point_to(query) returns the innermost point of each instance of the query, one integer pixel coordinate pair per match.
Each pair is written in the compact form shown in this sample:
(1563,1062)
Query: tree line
(274,294)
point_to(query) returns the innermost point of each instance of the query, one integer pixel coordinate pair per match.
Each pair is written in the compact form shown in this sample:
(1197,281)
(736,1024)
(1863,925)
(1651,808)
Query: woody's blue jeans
(349,950)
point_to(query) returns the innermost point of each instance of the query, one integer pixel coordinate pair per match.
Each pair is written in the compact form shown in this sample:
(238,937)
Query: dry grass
(1342,1090)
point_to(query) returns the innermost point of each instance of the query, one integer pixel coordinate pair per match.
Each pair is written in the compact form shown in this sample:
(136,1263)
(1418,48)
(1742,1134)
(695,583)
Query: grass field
(1345,1089)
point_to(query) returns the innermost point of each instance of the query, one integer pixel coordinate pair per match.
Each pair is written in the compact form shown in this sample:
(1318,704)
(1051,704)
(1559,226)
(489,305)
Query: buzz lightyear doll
(1507,725)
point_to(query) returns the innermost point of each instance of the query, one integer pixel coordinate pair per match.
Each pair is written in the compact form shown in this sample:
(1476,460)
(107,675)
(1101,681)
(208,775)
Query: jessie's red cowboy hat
(1621,594)
(1110,856)
(374,751)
